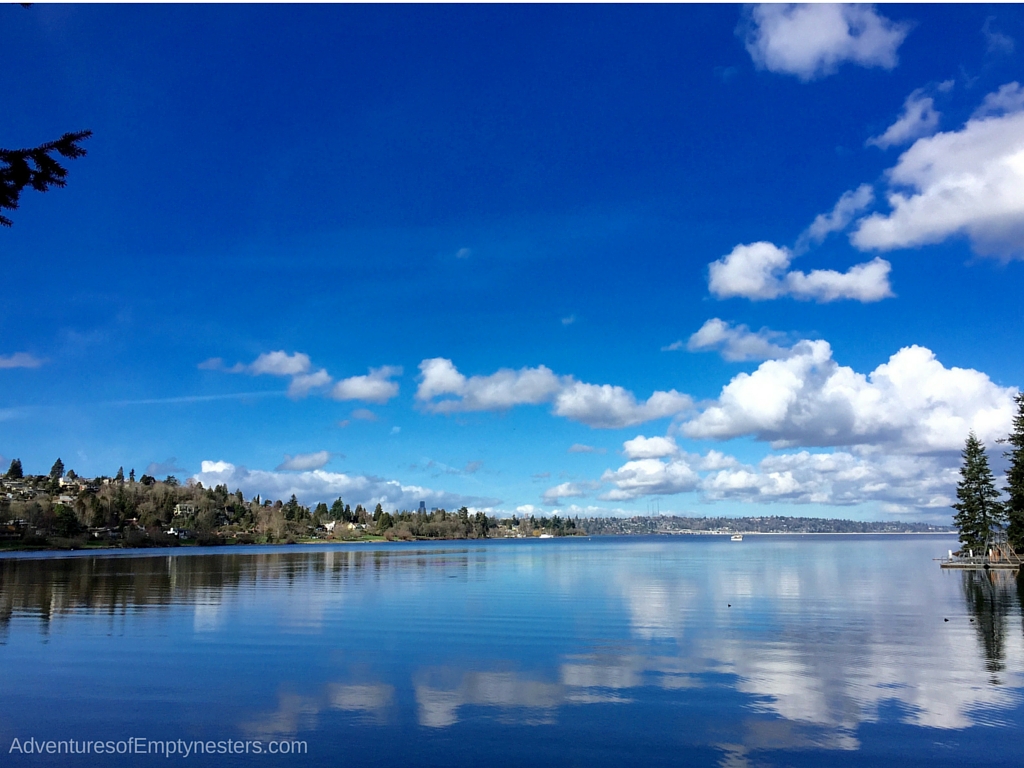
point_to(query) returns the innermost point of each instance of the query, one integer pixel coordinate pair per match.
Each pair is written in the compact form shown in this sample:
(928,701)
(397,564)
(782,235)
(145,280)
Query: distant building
(185,510)
(423,508)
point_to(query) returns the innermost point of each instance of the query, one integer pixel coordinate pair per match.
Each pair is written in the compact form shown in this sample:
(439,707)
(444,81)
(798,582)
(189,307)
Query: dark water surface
(777,650)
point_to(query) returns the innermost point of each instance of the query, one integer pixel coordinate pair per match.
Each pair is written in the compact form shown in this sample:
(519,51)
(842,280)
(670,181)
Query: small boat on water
(737,537)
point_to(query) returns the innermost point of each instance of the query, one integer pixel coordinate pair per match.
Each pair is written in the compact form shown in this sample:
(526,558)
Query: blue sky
(709,260)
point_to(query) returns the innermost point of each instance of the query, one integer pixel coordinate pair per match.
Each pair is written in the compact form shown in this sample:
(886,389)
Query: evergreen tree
(291,509)
(57,470)
(119,477)
(1015,480)
(979,512)
(131,476)
(15,473)
(337,509)
(321,513)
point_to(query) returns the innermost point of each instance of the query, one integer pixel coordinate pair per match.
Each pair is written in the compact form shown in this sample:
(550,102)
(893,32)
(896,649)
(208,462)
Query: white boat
(737,537)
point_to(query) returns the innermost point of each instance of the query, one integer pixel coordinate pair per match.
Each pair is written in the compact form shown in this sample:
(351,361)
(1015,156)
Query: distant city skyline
(594,260)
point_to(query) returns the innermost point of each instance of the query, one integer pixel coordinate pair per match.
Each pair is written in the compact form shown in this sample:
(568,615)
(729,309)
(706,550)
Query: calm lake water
(777,650)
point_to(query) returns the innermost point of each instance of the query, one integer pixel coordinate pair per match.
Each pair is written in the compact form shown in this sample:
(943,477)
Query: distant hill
(618,526)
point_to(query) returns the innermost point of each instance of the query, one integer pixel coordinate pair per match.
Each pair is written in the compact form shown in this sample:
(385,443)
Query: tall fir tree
(1015,480)
(15,472)
(979,512)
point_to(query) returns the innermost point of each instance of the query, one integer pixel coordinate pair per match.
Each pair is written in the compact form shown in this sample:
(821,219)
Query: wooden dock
(1001,558)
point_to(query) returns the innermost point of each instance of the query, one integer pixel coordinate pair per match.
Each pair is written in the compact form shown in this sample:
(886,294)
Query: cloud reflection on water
(805,641)
(297,712)
(830,645)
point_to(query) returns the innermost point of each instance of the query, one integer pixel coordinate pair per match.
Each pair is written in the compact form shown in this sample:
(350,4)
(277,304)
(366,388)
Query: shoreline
(204,549)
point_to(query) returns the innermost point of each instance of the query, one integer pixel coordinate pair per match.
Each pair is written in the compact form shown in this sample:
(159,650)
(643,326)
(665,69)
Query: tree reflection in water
(990,596)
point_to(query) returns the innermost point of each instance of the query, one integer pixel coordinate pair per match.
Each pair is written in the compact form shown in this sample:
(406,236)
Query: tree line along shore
(61,510)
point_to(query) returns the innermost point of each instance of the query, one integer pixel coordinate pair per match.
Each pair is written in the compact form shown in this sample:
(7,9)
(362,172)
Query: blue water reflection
(773,651)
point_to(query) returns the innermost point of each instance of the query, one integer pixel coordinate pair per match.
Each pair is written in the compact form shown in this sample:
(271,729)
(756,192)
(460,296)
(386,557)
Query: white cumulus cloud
(912,402)
(643,477)
(966,182)
(919,118)
(280,363)
(838,479)
(499,391)
(811,41)
(375,387)
(843,478)
(305,383)
(737,342)
(758,271)
(599,406)
(611,407)
(566,491)
(303,462)
(641,447)
(314,486)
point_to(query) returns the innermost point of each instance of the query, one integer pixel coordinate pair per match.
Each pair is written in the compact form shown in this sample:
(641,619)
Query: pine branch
(36,168)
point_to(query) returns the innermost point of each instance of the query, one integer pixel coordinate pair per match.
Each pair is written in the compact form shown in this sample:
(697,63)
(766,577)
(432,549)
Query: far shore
(187,547)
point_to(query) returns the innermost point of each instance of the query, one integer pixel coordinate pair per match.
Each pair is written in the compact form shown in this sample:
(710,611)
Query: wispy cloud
(303,462)
(996,41)
(375,387)
(561,491)
(196,398)
(850,204)
(581,448)
(20,360)
(163,468)
(919,118)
